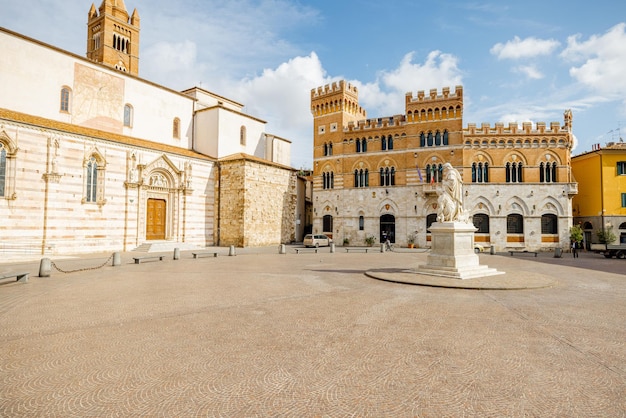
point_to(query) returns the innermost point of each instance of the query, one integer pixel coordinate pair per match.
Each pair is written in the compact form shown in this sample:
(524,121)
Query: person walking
(575,249)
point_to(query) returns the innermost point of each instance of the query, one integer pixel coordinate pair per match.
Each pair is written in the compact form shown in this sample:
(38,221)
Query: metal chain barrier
(81,269)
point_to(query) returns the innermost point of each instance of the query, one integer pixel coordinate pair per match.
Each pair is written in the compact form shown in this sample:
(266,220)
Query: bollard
(332,247)
(382,247)
(492,250)
(44,267)
(231,252)
(176,253)
(558,252)
(282,249)
(117,260)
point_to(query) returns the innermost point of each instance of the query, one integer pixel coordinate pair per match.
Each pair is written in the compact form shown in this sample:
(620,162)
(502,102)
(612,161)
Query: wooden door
(155,219)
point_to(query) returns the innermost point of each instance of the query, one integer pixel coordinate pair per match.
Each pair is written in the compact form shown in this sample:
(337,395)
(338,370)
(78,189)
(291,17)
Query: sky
(518,61)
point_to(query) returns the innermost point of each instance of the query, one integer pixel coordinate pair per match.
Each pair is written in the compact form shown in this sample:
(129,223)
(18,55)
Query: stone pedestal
(452,252)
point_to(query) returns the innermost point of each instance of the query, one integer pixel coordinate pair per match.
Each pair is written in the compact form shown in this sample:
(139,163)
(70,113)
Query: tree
(576,233)
(606,235)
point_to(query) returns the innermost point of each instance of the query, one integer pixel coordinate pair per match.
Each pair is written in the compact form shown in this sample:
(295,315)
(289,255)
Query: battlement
(337,87)
(514,128)
(433,96)
(363,124)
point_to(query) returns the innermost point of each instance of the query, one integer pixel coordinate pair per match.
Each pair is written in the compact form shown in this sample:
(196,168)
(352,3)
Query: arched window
(328,180)
(176,128)
(361,223)
(547,172)
(91,192)
(480,172)
(445,137)
(387,176)
(328,149)
(128,115)
(515,224)
(549,224)
(65,100)
(242,135)
(438,138)
(94,169)
(434,173)
(514,172)
(481,222)
(361,178)
(422,139)
(429,139)
(383,143)
(3,168)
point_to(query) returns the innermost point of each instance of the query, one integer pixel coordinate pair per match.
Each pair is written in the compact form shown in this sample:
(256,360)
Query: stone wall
(257,203)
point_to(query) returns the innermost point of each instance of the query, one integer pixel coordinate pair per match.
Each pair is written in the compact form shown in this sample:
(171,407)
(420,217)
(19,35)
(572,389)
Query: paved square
(265,334)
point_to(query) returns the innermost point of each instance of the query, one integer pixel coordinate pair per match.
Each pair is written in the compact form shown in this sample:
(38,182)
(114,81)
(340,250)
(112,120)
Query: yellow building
(379,176)
(601,202)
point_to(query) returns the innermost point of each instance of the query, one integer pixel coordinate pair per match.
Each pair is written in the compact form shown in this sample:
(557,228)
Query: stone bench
(21,277)
(359,249)
(148,257)
(204,254)
(305,250)
(523,252)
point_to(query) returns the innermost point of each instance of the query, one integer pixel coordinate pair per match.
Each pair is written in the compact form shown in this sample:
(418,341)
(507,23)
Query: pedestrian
(575,249)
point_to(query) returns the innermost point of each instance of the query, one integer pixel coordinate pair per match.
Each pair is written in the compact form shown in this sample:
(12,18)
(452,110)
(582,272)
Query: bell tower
(113,36)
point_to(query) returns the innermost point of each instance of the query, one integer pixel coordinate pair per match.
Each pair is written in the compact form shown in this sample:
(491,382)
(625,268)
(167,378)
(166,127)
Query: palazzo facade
(95,158)
(376,177)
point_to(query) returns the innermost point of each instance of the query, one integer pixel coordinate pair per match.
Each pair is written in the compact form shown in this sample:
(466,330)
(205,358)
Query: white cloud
(530,71)
(524,48)
(282,97)
(385,96)
(603,60)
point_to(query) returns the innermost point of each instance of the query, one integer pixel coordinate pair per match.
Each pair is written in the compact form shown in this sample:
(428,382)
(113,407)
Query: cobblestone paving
(308,335)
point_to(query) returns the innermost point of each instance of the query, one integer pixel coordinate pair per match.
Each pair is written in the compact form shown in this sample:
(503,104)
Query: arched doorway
(156,210)
(387,228)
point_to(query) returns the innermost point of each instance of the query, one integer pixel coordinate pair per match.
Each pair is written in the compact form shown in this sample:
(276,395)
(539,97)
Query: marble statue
(450,199)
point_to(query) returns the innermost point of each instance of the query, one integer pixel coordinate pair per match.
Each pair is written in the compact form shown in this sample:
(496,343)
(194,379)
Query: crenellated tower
(113,36)
(333,106)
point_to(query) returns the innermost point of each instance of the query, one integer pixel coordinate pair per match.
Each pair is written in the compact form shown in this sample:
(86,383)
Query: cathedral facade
(375,178)
(94,158)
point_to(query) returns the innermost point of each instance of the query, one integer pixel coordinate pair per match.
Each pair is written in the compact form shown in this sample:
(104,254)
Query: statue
(450,199)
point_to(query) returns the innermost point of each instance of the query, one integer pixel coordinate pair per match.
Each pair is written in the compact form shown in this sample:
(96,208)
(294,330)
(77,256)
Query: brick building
(379,176)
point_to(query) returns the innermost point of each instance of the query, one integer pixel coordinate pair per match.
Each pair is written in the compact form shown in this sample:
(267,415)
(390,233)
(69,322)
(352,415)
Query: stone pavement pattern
(263,334)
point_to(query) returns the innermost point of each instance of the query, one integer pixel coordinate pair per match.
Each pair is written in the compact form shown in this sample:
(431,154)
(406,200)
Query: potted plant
(411,240)
(369,240)
(346,242)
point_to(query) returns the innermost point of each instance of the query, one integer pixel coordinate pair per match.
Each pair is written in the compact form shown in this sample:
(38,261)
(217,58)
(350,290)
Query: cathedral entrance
(155,219)
(388,228)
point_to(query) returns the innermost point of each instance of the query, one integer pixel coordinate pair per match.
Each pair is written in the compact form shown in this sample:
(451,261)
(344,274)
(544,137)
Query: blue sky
(517,61)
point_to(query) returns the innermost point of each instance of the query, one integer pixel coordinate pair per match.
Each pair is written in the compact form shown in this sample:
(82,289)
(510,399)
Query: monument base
(452,253)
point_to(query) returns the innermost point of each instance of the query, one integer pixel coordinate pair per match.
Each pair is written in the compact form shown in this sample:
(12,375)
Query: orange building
(379,176)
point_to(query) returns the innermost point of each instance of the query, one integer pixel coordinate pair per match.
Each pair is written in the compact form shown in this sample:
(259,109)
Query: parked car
(317,240)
